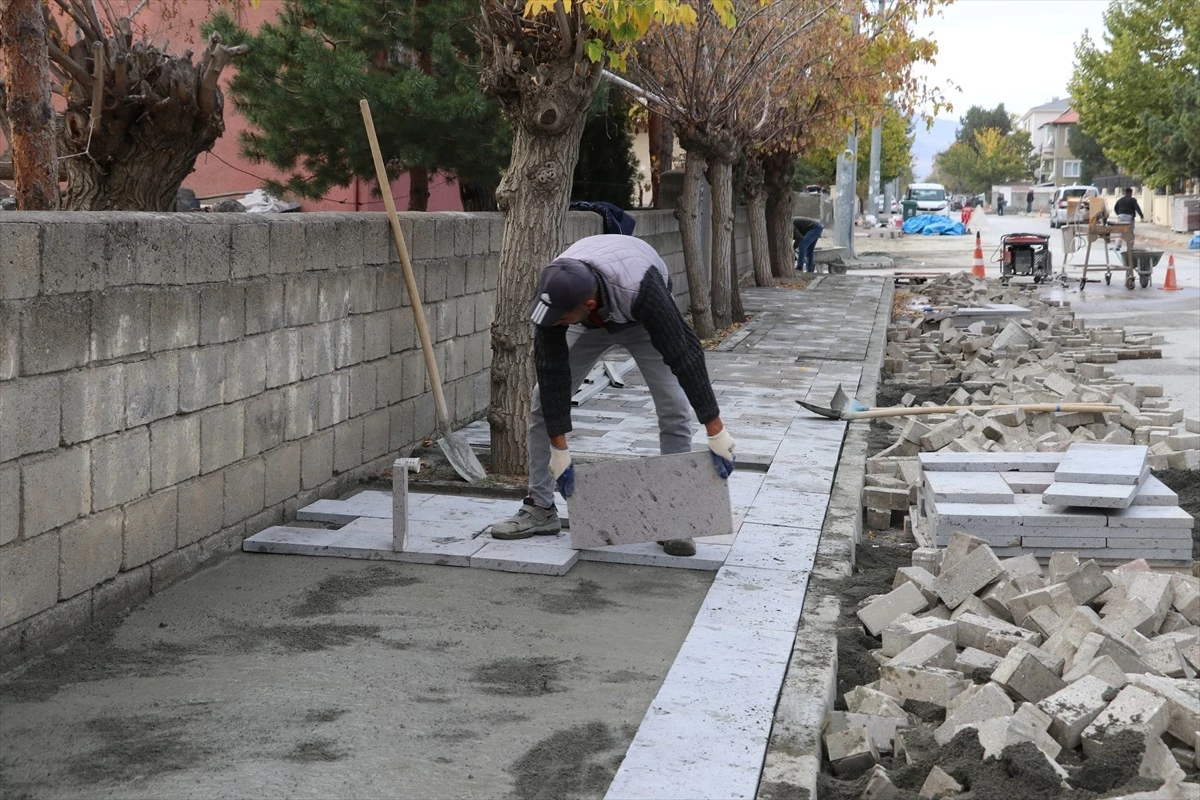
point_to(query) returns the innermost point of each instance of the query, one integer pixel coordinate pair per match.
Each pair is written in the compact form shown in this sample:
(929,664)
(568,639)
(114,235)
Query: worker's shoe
(530,520)
(679,547)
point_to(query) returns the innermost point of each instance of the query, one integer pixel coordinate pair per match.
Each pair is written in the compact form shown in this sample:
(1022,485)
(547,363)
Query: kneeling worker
(603,291)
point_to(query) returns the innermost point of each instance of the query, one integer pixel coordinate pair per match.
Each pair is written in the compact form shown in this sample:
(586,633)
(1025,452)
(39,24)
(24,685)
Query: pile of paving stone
(1076,660)
(1005,347)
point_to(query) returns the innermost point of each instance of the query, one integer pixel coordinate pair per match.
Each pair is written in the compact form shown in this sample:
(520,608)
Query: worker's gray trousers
(587,345)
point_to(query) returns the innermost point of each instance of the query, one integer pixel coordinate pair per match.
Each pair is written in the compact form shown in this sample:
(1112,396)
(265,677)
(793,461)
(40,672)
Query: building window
(1071,169)
(1049,139)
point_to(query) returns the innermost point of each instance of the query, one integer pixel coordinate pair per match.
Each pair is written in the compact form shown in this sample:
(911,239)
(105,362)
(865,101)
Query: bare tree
(26,115)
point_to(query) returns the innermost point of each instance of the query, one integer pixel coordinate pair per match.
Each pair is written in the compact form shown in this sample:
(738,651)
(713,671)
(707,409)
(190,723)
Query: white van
(930,197)
(1058,203)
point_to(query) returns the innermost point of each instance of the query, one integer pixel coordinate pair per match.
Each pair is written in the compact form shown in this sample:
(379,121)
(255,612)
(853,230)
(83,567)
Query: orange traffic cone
(1171,285)
(977,263)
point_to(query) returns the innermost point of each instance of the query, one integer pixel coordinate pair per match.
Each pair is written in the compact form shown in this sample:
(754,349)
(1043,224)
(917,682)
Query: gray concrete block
(245,368)
(1024,676)
(93,403)
(300,300)
(904,599)
(28,578)
(433,288)
(206,249)
(1133,709)
(174,319)
(120,468)
(250,249)
(20,260)
(424,417)
(201,508)
(264,306)
(376,434)
(73,257)
(222,313)
(55,489)
(244,490)
(333,404)
(362,290)
(120,324)
(10,502)
(363,384)
(316,350)
(402,425)
(120,248)
(281,473)
(404,331)
(316,460)
(222,436)
(173,566)
(348,232)
(320,245)
(455,270)
(390,289)
(389,382)
(301,402)
(348,341)
(967,576)
(377,335)
(264,425)
(287,245)
(413,375)
(201,378)
(10,340)
(29,416)
(348,445)
(160,251)
(151,389)
(283,357)
(125,590)
(174,451)
(378,245)
(55,333)
(150,529)
(90,552)
(333,297)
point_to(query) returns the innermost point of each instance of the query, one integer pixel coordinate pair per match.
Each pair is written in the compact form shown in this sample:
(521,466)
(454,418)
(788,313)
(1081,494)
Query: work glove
(721,448)
(563,471)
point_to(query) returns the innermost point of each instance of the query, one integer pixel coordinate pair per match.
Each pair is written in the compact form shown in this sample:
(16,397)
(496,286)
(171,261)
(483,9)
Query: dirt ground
(295,677)
(1186,484)
(1020,772)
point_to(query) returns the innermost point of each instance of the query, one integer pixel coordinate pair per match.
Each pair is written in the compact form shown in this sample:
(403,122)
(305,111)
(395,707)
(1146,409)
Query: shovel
(456,448)
(842,407)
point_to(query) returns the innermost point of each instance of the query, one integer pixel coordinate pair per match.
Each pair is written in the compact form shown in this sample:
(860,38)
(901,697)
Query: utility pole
(874,198)
(843,209)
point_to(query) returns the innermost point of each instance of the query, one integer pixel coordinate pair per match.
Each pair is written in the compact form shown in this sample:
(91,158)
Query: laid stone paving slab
(754,597)
(709,556)
(520,557)
(1103,463)
(774,547)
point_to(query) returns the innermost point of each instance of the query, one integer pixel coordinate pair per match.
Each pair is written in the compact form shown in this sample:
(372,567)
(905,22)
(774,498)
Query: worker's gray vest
(622,262)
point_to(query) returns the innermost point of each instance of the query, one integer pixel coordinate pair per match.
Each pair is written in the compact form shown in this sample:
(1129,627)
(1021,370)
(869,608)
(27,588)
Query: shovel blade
(460,455)
(821,410)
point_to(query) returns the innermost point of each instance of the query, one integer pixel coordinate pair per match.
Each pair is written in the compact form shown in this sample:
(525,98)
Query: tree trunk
(688,214)
(721,177)
(662,147)
(756,222)
(735,280)
(477,196)
(534,195)
(778,169)
(30,115)
(418,189)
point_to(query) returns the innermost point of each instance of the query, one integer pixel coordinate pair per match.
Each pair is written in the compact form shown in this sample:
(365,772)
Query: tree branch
(97,87)
(564,29)
(80,19)
(69,66)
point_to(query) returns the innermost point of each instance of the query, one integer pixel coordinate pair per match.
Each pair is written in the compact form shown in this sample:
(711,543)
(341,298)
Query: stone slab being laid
(1090,495)
(709,557)
(968,487)
(1103,463)
(630,501)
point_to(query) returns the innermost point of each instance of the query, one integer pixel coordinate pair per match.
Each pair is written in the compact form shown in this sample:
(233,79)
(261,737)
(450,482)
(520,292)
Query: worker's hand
(721,448)
(563,470)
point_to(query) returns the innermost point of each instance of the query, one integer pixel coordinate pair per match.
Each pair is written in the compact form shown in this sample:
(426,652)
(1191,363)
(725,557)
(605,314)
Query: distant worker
(602,291)
(1127,206)
(1029,202)
(805,233)
(1000,203)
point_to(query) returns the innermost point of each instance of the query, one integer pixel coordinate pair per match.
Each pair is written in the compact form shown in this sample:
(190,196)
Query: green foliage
(1093,162)
(1132,95)
(992,158)
(607,169)
(895,159)
(417,63)
(1175,140)
(978,118)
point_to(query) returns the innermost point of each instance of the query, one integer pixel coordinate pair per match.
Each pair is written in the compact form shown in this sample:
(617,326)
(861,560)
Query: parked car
(813,188)
(1058,203)
(930,198)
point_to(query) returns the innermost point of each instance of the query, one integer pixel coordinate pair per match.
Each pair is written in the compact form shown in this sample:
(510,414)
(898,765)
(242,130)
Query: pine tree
(607,168)
(416,62)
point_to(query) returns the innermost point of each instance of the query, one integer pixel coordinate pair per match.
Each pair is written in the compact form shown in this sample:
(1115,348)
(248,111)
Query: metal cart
(1025,254)
(1089,222)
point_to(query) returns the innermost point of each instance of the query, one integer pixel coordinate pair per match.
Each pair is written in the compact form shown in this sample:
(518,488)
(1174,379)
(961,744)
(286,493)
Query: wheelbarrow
(1143,263)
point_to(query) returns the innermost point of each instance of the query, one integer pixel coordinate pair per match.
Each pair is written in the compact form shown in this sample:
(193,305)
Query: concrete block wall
(173,383)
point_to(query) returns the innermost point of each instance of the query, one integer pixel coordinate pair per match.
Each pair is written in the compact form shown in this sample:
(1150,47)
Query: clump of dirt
(328,596)
(519,677)
(1186,484)
(926,712)
(324,714)
(881,434)
(1115,765)
(583,596)
(136,744)
(783,790)
(316,751)
(92,656)
(875,569)
(572,763)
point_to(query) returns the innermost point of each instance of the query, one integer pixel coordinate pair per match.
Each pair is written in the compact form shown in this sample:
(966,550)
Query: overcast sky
(1016,52)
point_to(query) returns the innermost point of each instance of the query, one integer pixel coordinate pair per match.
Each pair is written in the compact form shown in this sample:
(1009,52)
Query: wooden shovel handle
(902,411)
(410,281)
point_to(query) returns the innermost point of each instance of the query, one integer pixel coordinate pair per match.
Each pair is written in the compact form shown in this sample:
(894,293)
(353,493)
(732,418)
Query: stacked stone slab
(1005,499)
(1043,356)
(1062,657)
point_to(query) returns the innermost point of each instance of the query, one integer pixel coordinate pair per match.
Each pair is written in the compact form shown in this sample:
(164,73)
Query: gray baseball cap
(565,285)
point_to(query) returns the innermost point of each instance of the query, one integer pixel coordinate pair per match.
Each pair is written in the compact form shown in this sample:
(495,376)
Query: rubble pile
(1005,346)
(1081,663)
